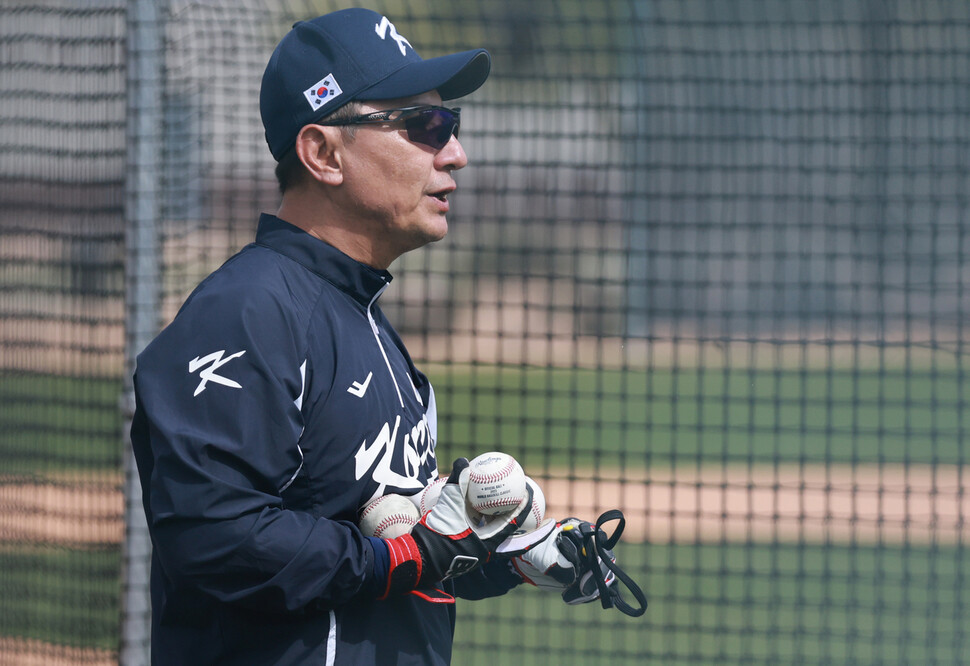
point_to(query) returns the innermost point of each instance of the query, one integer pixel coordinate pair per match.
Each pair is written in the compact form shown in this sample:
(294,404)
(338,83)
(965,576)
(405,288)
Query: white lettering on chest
(401,472)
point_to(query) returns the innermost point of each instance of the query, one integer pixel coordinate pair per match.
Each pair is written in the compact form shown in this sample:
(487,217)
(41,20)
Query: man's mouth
(442,194)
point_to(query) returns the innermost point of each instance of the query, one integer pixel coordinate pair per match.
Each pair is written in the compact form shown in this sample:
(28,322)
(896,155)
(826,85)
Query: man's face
(395,188)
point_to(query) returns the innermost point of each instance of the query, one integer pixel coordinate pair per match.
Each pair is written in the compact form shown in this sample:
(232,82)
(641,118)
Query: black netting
(706,265)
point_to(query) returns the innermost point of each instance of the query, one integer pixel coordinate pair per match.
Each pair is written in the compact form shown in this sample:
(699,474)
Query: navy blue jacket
(276,404)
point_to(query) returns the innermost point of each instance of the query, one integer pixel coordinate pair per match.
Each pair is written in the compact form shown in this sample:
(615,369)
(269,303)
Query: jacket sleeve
(216,437)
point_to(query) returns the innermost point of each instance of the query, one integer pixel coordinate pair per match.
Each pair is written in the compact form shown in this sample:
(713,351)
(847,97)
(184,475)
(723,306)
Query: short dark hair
(290,170)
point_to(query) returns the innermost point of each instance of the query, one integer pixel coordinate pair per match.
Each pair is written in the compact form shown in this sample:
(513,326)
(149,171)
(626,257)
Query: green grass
(61,595)
(628,418)
(579,418)
(52,423)
(742,604)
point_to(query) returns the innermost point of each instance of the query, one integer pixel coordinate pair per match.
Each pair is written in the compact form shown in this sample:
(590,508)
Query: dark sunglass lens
(433,127)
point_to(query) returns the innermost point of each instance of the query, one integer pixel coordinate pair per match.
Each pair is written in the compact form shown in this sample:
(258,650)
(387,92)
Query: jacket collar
(362,282)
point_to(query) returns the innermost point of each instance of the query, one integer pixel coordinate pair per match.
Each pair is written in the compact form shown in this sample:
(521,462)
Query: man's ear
(318,147)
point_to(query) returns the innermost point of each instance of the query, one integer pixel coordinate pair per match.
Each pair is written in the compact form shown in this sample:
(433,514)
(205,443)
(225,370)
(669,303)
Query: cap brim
(453,76)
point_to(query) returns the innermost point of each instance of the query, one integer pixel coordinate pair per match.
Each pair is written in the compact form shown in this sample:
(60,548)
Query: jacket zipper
(377,337)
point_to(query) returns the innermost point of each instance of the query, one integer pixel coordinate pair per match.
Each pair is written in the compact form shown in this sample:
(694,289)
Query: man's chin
(426,236)
(437,231)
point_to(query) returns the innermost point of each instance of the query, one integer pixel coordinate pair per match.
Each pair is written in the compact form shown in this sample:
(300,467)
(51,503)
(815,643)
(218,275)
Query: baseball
(388,517)
(496,483)
(427,498)
(538,511)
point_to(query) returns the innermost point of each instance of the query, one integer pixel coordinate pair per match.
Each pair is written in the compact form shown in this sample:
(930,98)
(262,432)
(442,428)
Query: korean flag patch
(323,91)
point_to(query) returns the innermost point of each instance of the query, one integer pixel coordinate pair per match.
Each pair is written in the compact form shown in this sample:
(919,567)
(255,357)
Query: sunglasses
(428,125)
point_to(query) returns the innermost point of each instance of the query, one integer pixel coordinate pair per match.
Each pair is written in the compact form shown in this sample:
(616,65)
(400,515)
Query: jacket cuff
(380,559)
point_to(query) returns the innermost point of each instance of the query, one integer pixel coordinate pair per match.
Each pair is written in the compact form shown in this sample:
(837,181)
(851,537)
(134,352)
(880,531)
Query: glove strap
(596,543)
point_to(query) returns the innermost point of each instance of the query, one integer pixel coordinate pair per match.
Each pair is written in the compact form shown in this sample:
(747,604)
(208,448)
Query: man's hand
(559,563)
(443,544)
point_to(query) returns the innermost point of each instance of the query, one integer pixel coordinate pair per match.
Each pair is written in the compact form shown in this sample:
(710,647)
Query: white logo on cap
(385,25)
(322,92)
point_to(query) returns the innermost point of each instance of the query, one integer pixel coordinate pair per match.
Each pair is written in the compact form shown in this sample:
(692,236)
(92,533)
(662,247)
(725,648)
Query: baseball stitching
(373,505)
(424,496)
(396,519)
(478,477)
(496,503)
(535,513)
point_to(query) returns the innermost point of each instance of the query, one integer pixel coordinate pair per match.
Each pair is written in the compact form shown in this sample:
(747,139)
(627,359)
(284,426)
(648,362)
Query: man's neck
(320,220)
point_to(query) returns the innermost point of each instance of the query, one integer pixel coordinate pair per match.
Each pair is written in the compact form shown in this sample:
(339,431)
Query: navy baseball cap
(352,54)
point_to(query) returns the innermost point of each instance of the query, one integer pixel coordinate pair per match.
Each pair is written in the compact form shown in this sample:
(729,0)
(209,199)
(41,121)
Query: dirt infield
(888,503)
(85,512)
(23,652)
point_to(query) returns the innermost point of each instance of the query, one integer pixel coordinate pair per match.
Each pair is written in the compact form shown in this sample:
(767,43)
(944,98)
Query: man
(280,400)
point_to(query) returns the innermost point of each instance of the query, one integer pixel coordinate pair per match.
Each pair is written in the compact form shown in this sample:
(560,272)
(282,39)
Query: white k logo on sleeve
(209,374)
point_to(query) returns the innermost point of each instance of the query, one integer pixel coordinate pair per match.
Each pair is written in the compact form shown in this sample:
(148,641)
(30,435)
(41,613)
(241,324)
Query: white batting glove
(556,564)
(545,566)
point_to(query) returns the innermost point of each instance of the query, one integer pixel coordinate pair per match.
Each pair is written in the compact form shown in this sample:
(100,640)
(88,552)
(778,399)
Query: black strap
(596,543)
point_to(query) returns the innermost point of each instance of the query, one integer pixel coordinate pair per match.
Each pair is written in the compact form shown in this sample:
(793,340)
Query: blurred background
(708,264)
